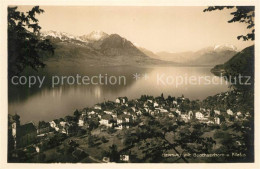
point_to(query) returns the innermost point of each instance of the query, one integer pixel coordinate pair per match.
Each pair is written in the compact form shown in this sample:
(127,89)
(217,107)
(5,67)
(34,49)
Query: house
(149,100)
(43,128)
(217,120)
(108,112)
(114,115)
(37,148)
(98,107)
(119,120)
(139,113)
(178,112)
(124,158)
(134,116)
(230,112)
(70,129)
(106,120)
(152,113)
(119,127)
(63,123)
(123,121)
(171,115)
(133,108)
(54,123)
(217,112)
(163,110)
(155,104)
(82,121)
(190,115)
(248,114)
(23,135)
(127,118)
(210,122)
(239,115)
(121,100)
(199,115)
(184,117)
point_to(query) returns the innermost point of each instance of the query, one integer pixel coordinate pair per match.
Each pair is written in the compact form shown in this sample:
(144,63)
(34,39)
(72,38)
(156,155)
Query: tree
(76,114)
(103,139)
(25,47)
(91,141)
(113,153)
(41,157)
(157,136)
(243,14)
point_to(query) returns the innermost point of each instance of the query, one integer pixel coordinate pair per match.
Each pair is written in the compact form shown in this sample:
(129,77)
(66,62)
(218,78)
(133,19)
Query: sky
(171,29)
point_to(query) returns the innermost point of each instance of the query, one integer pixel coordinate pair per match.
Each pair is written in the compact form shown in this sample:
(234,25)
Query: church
(23,135)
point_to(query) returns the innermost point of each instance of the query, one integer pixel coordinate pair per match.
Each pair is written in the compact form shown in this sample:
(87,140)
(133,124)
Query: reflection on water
(49,103)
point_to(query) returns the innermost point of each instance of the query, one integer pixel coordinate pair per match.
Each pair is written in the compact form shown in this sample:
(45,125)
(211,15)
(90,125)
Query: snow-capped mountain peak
(61,35)
(95,36)
(225,47)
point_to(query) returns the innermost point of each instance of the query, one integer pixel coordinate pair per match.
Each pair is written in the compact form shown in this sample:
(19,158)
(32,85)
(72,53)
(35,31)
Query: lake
(47,103)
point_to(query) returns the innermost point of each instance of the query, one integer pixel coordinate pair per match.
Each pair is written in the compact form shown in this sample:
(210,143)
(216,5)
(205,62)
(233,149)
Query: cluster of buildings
(119,115)
(122,113)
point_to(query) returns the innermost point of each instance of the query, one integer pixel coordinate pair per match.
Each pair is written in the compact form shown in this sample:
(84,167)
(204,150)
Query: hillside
(218,54)
(241,64)
(96,48)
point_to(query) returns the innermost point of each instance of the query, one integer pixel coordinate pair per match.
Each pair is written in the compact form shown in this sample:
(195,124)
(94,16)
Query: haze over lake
(49,103)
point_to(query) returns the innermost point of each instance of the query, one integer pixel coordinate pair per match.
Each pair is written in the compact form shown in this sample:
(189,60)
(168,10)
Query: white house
(217,112)
(155,104)
(190,115)
(108,112)
(121,100)
(114,115)
(230,112)
(105,120)
(184,117)
(119,127)
(217,120)
(139,113)
(149,100)
(178,112)
(171,115)
(163,110)
(82,120)
(124,158)
(199,115)
(119,121)
(53,123)
(127,119)
(97,106)
(117,100)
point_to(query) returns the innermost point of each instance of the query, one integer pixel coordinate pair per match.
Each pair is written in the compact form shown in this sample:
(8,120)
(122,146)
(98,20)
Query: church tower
(15,127)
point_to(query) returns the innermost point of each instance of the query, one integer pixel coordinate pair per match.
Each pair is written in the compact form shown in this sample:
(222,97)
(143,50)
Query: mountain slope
(242,64)
(207,56)
(96,48)
(94,36)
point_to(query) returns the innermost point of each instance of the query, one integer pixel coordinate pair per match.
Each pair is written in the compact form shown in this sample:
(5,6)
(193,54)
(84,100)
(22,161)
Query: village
(29,141)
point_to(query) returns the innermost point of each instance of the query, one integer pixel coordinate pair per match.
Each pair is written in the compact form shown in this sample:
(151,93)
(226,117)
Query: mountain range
(211,56)
(100,48)
(96,48)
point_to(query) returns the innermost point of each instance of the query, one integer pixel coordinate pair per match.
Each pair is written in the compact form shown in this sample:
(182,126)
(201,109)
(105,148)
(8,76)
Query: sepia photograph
(130,84)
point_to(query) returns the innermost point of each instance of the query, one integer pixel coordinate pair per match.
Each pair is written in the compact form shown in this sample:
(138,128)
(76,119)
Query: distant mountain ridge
(97,48)
(218,54)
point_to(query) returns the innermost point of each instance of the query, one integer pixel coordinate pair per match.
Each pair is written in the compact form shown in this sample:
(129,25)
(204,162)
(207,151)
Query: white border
(3,80)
